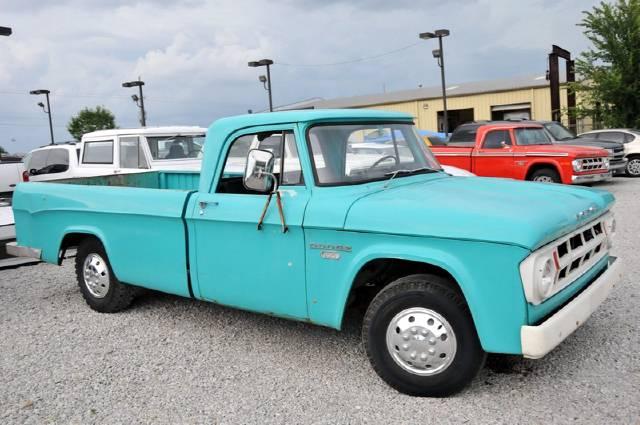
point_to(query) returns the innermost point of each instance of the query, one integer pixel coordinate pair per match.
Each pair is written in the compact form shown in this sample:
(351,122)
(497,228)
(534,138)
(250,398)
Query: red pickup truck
(523,151)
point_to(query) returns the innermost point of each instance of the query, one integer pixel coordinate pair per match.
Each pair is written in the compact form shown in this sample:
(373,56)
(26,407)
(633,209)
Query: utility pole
(138,83)
(47,110)
(267,63)
(439,55)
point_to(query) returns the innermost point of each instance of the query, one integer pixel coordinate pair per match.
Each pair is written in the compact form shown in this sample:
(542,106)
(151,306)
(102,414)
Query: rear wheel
(420,338)
(98,285)
(545,175)
(633,167)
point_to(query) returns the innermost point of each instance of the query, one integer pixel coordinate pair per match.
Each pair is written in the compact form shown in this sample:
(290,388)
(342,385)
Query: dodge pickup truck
(448,268)
(522,151)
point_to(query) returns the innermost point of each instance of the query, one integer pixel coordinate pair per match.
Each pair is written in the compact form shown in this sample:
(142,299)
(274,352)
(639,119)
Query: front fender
(487,274)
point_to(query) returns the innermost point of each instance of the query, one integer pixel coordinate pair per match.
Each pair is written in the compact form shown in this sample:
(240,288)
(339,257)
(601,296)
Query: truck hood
(589,141)
(484,209)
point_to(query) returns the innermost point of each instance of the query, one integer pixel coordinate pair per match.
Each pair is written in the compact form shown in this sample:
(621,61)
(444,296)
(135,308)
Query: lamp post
(47,110)
(5,31)
(263,79)
(439,55)
(143,114)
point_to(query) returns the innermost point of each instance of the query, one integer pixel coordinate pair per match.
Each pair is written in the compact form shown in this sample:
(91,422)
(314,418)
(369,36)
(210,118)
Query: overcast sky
(192,54)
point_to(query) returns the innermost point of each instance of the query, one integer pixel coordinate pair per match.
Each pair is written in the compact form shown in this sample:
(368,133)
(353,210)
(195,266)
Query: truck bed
(138,217)
(171,180)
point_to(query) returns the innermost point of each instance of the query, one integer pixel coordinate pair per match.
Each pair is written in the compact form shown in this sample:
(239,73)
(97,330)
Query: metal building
(523,97)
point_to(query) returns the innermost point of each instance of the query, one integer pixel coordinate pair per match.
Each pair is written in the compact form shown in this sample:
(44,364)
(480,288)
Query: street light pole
(47,111)
(439,55)
(6,31)
(143,114)
(267,63)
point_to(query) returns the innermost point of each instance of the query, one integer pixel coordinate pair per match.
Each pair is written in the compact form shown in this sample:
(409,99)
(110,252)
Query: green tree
(3,151)
(609,72)
(89,120)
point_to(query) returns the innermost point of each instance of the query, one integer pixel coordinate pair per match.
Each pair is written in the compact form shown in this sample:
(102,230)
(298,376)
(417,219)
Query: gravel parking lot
(169,359)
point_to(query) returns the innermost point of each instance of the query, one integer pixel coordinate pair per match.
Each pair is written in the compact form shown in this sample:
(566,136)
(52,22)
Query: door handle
(203,205)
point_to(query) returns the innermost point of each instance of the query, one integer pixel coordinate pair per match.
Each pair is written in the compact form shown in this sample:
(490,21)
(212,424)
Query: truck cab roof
(146,131)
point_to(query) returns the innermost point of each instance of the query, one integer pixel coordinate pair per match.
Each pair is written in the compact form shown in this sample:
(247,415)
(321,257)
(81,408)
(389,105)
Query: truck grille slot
(591,164)
(576,242)
(562,249)
(579,251)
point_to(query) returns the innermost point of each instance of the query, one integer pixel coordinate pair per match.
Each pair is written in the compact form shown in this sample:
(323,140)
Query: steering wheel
(381,160)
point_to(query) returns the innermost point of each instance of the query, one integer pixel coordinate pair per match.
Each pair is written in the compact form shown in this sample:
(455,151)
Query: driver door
(495,156)
(237,264)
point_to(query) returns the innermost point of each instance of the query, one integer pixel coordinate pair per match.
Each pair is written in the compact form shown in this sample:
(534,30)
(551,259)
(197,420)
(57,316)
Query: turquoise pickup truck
(287,219)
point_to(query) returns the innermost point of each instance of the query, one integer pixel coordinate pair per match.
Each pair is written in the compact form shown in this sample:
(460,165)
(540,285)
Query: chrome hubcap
(543,179)
(96,275)
(421,341)
(634,167)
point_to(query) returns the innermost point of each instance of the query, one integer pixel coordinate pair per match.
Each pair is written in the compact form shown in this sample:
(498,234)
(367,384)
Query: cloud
(193,54)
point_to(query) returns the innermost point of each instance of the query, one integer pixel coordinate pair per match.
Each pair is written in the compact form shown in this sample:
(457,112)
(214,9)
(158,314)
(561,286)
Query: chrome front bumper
(537,341)
(591,178)
(23,251)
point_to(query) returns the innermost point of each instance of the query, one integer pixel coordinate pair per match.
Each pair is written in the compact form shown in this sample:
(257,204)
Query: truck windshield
(176,146)
(532,136)
(346,154)
(559,131)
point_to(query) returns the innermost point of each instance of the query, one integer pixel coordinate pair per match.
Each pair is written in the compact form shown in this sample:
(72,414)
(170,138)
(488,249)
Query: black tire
(545,175)
(437,295)
(632,169)
(116,296)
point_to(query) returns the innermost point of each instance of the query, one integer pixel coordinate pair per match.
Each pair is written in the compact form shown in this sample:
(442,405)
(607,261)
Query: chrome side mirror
(258,173)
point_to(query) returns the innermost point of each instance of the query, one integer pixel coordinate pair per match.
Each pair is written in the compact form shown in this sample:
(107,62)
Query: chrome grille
(577,252)
(591,164)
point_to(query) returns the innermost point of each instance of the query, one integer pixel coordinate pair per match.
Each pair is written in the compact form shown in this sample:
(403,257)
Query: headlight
(577,165)
(605,163)
(539,275)
(610,228)
(544,283)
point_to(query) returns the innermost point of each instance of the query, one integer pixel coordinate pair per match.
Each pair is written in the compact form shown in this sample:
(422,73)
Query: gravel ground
(174,360)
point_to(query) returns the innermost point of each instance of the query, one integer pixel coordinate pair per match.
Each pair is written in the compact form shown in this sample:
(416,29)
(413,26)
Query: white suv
(51,162)
(630,138)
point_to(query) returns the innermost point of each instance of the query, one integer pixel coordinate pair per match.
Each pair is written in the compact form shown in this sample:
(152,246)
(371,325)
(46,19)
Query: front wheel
(98,285)
(633,167)
(545,175)
(420,337)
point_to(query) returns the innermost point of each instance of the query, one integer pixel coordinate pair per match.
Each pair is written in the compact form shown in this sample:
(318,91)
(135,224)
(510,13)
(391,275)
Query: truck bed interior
(168,180)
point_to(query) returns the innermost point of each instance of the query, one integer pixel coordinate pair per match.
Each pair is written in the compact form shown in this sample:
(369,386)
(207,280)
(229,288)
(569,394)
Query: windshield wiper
(395,173)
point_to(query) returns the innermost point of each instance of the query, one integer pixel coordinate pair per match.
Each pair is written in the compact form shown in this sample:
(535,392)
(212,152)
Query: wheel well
(71,240)
(378,273)
(537,167)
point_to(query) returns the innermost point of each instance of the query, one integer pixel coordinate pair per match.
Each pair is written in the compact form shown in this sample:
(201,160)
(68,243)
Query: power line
(350,61)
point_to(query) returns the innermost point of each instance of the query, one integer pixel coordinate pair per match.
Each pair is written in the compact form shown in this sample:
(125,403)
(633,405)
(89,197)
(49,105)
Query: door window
(287,166)
(495,139)
(131,153)
(98,152)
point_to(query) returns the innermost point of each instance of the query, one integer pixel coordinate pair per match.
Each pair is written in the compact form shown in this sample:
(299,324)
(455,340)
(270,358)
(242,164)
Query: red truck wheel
(545,175)
(98,285)
(420,338)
